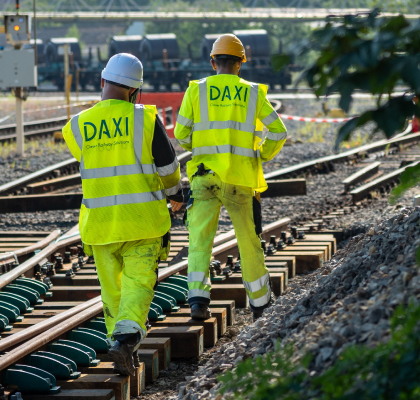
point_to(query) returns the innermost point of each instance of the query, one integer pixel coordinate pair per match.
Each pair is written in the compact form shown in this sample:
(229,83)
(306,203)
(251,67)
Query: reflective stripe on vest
(225,148)
(119,170)
(120,199)
(206,124)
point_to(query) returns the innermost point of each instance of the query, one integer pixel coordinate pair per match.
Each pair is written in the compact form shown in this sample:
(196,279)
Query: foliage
(73,31)
(189,33)
(388,371)
(369,53)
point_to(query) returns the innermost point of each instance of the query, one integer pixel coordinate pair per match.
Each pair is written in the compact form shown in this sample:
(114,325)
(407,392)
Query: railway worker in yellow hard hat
(128,168)
(221,121)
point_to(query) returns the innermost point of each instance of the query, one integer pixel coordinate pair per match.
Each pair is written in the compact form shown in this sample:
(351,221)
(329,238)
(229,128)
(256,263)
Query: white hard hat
(125,69)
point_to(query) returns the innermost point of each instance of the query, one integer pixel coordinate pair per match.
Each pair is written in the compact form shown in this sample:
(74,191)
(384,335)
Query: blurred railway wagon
(160,55)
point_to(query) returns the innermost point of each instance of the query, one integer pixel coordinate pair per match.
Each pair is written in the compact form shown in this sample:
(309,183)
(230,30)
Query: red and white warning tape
(319,120)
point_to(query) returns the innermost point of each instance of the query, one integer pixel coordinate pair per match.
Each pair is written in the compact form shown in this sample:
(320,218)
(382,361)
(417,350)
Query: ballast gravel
(349,300)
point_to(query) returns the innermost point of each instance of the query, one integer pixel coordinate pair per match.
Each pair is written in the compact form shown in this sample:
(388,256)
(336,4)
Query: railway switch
(59,262)
(11,312)
(167,302)
(4,324)
(271,249)
(59,366)
(30,379)
(21,302)
(237,267)
(263,245)
(178,293)
(67,257)
(281,245)
(90,337)
(155,313)
(97,324)
(178,280)
(79,356)
(28,293)
(40,287)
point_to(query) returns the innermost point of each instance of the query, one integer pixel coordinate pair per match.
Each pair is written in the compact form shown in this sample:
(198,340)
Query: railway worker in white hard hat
(221,121)
(128,169)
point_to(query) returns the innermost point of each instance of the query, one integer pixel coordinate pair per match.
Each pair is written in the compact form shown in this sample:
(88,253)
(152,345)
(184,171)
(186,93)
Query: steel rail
(364,191)
(16,272)
(369,148)
(8,257)
(50,334)
(70,164)
(59,324)
(250,14)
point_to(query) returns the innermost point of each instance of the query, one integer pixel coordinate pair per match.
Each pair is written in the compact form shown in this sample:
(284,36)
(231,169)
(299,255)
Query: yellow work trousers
(208,195)
(127,274)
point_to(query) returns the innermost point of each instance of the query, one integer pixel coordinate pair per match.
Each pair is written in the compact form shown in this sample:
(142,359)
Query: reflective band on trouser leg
(254,273)
(202,220)
(261,300)
(258,291)
(199,284)
(201,277)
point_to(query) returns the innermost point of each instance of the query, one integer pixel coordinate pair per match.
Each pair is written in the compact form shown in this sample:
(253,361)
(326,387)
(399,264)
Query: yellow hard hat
(228,45)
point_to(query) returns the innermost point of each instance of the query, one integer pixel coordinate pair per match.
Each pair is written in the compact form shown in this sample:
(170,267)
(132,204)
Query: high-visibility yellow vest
(226,130)
(123,196)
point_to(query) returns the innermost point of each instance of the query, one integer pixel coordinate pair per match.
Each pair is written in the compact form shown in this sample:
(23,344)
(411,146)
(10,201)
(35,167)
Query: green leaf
(409,178)
(279,61)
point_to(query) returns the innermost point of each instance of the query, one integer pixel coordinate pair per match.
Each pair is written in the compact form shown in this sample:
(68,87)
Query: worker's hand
(175,206)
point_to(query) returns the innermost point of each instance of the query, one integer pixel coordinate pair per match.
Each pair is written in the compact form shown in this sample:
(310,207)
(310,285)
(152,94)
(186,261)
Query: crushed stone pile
(347,301)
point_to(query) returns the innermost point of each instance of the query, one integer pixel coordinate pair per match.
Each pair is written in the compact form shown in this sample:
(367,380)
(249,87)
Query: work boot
(200,311)
(122,353)
(136,360)
(257,312)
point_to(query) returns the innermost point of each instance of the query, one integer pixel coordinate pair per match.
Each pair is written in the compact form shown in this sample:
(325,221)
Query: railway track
(51,318)
(54,320)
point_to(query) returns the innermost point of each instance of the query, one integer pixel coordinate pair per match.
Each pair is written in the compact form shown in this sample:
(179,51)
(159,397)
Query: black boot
(122,353)
(200,311)
(257,312)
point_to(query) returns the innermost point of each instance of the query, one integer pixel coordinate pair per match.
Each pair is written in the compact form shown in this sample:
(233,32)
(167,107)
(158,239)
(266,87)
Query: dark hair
(117,84)
(225,60)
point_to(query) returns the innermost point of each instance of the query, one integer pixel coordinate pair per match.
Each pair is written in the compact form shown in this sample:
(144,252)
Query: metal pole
(66,76)
(35,46)
(77,84)
(66,63)
(19,122)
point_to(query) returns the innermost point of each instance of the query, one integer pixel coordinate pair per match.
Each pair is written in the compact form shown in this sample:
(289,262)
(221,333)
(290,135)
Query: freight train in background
(164,69)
